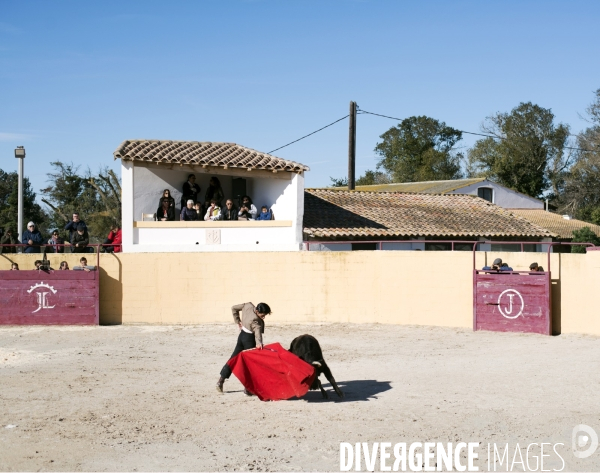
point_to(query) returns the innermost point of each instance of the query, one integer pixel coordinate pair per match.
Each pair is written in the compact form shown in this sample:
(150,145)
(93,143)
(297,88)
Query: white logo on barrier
(41,296)
(510,304)
(582,434)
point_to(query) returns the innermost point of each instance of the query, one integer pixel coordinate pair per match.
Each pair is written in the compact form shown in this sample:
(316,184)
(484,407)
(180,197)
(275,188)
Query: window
(364,246)
(486,193)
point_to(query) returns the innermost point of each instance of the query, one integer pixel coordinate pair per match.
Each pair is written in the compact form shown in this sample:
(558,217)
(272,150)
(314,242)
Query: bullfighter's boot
(220,384)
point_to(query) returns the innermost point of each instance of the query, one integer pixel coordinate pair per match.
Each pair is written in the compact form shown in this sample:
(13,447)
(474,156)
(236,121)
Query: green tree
(584,235)
(371,178)
(527,154)
(9,197)
(339,182)
(96,197)
(420,149)
(581,196)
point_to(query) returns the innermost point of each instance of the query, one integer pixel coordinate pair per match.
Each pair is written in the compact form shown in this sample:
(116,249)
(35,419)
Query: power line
(472,133)
(306,136)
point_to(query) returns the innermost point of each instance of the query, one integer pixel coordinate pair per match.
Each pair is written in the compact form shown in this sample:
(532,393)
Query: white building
(148,167)
(481,187)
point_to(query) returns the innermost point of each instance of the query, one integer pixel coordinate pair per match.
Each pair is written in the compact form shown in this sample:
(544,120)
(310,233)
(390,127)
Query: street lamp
(20,155)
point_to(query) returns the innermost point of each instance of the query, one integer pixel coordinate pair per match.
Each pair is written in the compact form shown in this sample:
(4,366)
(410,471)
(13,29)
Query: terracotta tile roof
(204,154)
(424,187)
(352,214)
(554,222)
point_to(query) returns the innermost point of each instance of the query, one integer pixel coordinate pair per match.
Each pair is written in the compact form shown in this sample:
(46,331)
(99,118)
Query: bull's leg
(323,392)
(330,378)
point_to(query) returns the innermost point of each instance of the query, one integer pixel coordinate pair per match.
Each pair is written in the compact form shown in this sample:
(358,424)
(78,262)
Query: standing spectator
(56,243)
(114,239)
(188,214)
(64,266)
(166,210)
(9,239)
(214,192)
(80,239)
(248,209)
(166,196)
(14,267)
(230,212)
(190,191)
(265,214)
(33,239)
(72,227)
(213,212)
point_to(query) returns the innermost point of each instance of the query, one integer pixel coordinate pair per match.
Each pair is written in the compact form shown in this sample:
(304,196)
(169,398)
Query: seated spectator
(199,211)
(190,191)
(230,212)
(64,266)
(33,238)
(247,210)
(9,239)
(14,267)
(533,267)
(84,266)
(39,265)
(72,227)
(166,208)
(213,212)
(265,214)
(56,243)
(505,267)
(214,192)
(80,239)
(540,269)
(114,239)
(188,214)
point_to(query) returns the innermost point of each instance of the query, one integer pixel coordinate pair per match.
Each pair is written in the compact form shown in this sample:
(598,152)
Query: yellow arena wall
(387,287)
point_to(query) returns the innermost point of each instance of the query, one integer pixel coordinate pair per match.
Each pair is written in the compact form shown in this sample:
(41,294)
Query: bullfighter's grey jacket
(249,320)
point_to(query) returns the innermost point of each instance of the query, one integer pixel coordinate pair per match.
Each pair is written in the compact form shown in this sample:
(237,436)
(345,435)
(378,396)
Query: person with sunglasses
(56,243)
(230,212)
(166,207)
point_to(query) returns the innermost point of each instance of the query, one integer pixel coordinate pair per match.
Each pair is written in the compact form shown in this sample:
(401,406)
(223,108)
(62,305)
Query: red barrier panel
(49,298)
(511,302)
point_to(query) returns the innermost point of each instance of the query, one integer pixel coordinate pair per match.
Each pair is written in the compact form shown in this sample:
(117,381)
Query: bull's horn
(316,363)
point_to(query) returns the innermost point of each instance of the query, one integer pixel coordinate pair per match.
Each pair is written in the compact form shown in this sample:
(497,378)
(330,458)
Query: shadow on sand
(359,390)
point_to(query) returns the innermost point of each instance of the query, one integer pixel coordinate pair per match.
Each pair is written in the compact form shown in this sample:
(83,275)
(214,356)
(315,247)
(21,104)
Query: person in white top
(213,212)
(247,209)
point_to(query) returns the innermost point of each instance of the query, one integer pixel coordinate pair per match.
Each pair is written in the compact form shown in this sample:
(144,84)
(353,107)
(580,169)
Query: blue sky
(78,78)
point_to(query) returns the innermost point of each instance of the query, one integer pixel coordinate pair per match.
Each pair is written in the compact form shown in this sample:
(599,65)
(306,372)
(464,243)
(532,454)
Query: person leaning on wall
(166,207)
(9,239)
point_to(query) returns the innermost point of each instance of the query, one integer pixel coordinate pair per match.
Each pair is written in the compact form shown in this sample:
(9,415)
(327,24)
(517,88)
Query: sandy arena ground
(128,398)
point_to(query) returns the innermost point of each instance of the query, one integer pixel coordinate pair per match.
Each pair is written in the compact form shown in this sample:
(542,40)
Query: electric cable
(306,136)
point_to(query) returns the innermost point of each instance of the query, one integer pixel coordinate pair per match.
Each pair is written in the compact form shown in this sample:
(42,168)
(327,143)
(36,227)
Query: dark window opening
(486,193)
(364,246)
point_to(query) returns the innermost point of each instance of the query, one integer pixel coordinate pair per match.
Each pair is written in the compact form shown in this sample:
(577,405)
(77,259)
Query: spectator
(166,208)
(33,239)
(84,266)
(533,267)
(114,239)
(190,191)
(230,212)
(37,263)
(9,239)
(540,269)
(72,227)
(14,267)
(213,212)
(497,265)
(188,213)
(214,192)
(247,210)
(64,266)
(198,209)
(56,243)
(265,214)
(80,239)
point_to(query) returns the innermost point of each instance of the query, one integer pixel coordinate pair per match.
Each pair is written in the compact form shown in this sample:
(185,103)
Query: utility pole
(20,155)
(352,148)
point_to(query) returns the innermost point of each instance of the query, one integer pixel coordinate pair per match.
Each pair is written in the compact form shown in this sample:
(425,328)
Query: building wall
(503,197)
(392,287)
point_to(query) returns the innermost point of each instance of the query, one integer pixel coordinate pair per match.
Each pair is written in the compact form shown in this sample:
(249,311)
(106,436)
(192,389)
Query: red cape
(272,373)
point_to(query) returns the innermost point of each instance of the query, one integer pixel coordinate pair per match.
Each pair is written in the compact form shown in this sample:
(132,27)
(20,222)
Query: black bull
(307,348)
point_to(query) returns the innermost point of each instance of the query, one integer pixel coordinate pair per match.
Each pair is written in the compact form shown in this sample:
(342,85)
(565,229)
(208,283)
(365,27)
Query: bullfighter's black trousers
(245,341)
